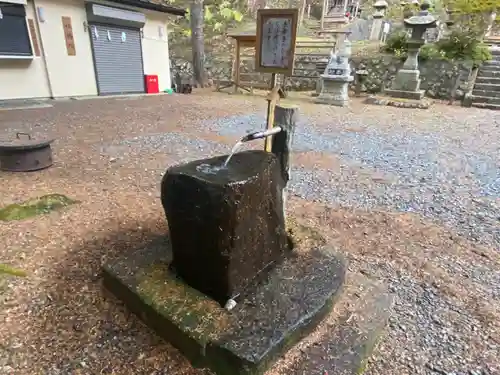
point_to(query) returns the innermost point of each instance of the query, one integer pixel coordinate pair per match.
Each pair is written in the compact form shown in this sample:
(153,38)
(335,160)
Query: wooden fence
(310,55)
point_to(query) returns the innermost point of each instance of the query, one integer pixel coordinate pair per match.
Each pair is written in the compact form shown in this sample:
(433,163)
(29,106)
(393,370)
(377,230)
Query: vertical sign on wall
(34,37)
(68,36)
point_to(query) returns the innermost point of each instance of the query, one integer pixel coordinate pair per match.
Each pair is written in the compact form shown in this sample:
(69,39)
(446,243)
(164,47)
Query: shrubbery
(464,45)
(459,45)
(396,43)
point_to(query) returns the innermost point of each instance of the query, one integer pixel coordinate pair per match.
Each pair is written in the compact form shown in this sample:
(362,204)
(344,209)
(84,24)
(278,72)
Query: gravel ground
(458,184)
(411,198)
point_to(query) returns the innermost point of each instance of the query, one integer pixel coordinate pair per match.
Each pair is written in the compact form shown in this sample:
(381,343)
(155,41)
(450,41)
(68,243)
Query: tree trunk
(198,43)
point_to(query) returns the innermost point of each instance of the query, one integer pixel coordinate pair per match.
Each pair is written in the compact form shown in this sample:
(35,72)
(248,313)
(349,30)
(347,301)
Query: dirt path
(366,177)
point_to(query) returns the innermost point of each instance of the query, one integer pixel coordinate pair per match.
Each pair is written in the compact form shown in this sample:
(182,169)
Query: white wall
(24,78)
(155,48)
(69,75)
(74,75)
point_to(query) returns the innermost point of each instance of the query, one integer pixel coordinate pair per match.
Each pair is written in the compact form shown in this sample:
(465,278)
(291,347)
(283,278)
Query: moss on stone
(197,315)
(34,207)
(8,270)
(303,237)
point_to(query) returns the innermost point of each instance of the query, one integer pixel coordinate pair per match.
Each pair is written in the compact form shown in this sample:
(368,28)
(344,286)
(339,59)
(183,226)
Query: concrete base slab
(293,300)
(329,100)
(495,107)
(350,335)
(10,105)
(398,102)
(401,94)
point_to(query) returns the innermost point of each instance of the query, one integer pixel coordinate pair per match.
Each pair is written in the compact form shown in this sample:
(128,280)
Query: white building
(72,48)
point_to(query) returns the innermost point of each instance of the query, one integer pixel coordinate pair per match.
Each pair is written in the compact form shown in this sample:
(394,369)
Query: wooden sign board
(276,36)
(34,37)
(68,36)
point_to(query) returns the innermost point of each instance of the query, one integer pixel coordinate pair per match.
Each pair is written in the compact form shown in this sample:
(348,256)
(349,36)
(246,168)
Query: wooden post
(285,116)
(237,67)
(272,99)
(233,65)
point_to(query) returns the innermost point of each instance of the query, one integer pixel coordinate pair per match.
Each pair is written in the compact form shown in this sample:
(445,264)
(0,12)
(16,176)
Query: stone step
(345,340)
(490,68)
(487,87)
(485,93)
(487,73)
(495,107)
(491,80)
(485,99)
(492,64)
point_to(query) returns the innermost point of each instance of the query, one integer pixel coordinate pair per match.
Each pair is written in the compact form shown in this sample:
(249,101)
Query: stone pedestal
(407,81)
(293,299)
(336,78)
(226,226)
(334,90)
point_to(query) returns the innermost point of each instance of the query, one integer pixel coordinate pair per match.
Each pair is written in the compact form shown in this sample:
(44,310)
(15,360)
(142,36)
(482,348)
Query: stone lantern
(449,17)
(361,74)
(336,78)
(380,7)
(407,81)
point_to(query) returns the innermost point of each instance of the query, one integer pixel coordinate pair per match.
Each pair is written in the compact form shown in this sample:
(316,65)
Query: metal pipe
(261,134)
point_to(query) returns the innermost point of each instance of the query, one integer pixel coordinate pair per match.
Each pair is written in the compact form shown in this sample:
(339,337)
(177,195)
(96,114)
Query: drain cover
(25,154)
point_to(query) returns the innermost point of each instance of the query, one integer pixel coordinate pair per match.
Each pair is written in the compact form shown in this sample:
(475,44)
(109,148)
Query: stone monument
(406,84)
(223,211)
(336,78)
(361,74)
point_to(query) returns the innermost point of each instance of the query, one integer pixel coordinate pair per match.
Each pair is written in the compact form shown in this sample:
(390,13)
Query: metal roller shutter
(117,59)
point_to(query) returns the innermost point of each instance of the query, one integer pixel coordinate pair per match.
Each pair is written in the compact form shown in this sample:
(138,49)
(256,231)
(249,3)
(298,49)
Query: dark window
(14,36)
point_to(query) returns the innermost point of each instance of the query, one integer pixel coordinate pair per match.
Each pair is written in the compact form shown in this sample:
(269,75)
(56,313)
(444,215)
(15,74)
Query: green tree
(475,16)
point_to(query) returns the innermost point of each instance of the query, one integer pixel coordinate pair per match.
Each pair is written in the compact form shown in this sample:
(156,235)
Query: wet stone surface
(226,223)
(294,298)
(348,344)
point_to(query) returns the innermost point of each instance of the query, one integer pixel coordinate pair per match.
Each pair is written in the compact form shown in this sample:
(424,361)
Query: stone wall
(438,76)
(220,70)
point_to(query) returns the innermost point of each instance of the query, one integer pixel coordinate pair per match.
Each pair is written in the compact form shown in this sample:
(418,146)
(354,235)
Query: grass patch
(34,207)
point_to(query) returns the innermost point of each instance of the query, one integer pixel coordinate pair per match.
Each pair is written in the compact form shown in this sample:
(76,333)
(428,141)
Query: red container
(152,86)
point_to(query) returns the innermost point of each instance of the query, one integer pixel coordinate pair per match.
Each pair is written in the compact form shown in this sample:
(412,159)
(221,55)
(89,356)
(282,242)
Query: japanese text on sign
(276,42)
(335,72)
